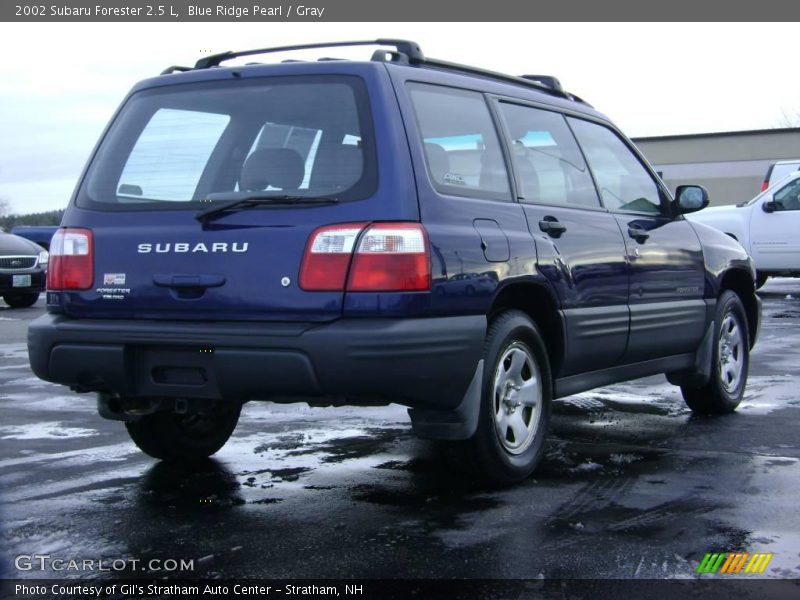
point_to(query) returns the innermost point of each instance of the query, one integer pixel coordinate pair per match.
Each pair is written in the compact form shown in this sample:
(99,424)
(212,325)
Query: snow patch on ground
(31,382)
(767,394)
(53,403)
(52,430)
(14,351)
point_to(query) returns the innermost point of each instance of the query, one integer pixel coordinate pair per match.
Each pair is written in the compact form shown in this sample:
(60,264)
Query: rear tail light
(327,257)
(71,260)
(764,185)
(389,257)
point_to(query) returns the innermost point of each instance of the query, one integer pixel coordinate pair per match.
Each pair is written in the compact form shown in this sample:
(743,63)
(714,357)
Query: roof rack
(409,49)
(175,69)
(406,52)
(527,81)
(548,80)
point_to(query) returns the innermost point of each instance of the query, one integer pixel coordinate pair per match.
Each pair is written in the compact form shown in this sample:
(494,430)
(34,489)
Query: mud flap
(699,375)
(457,424)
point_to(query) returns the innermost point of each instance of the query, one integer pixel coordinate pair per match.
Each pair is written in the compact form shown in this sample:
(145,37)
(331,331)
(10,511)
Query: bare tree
(5,207)
(788,119)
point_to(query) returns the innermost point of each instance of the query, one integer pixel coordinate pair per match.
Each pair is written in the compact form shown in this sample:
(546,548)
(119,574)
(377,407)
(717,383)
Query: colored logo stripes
(731,563)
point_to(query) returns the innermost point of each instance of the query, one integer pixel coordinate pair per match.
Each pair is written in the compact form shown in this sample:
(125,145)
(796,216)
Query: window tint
(548,161)
(461,147)
(623,182)
(169,157)
(788,197)
(305,136)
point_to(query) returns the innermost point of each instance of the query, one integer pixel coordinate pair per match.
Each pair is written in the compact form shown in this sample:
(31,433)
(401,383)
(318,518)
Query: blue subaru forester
(462,242)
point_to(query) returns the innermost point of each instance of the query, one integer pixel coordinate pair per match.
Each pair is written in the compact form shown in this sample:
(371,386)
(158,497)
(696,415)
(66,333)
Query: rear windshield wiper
(242,201)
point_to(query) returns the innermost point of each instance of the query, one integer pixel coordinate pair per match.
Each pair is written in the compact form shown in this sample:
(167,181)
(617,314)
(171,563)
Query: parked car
(39,234)
(23,270)
(777,171)
(766,226)
(280,231)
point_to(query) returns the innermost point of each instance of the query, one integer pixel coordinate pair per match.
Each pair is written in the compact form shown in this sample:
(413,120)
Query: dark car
(23,270)
(298,232)
(40,234)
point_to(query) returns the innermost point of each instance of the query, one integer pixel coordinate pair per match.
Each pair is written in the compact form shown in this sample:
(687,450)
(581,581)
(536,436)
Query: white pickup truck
(768,226)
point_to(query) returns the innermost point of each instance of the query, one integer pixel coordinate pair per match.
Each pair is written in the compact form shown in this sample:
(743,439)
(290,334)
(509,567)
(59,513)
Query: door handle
(552,227)
(639,234)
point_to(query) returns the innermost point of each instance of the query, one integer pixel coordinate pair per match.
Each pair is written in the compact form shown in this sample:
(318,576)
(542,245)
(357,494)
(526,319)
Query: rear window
(187,144)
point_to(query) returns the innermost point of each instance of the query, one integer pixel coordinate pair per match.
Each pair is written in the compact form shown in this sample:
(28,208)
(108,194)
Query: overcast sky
(60,82)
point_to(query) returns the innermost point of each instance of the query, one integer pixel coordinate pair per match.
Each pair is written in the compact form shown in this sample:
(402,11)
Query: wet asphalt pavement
(632,484)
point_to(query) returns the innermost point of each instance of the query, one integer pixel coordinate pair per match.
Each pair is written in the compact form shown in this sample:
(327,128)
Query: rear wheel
(761,279)
(731,361)
(21,300)
(184,438)
(515,402)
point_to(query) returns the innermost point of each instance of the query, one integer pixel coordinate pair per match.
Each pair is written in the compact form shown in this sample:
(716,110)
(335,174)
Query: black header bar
(444,11)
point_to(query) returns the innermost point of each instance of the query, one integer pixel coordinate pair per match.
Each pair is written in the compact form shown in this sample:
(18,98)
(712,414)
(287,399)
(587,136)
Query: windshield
(177,146)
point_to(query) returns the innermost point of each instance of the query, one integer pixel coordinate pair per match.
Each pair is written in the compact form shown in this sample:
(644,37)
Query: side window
(462,150)
(788,197)
(169,157)
(548,161)
(623,182)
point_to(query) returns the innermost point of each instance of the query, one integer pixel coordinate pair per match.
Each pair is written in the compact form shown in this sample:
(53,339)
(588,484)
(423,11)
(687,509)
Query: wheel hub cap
(730,350)
(517,398)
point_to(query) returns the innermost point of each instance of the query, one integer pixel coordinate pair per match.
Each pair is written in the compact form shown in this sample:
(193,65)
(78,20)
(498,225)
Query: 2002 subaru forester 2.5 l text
(465,243)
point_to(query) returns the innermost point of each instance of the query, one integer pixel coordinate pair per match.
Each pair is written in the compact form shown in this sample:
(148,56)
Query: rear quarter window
(460,143)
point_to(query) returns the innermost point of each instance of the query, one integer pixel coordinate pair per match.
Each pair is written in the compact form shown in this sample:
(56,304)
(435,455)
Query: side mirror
(769,206)
(691,198)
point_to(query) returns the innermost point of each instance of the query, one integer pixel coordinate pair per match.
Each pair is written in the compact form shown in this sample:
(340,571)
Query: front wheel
(731,361)
(21,300)
(515,402)
(187,438)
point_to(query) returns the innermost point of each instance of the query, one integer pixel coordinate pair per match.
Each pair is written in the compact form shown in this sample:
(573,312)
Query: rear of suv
(468,244)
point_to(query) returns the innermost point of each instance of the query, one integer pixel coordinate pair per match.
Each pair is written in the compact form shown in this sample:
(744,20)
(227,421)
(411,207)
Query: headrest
(339,167)
(277,167)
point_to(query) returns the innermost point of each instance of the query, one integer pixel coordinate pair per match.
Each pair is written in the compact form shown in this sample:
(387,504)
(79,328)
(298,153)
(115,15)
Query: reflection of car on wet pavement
(280,231)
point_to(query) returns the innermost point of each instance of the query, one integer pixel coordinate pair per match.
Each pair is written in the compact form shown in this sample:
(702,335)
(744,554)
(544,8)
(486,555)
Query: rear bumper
(425,363)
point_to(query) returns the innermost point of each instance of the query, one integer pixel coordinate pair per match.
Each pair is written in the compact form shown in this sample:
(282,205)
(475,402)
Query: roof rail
(527,81)
(410,49)
(175,69)
(407,52)
(548,80)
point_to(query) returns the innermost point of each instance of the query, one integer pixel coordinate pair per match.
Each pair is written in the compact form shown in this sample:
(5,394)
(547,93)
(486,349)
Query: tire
(761,279)
(725,388)
(513,421)
(180,438)
(21,300)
